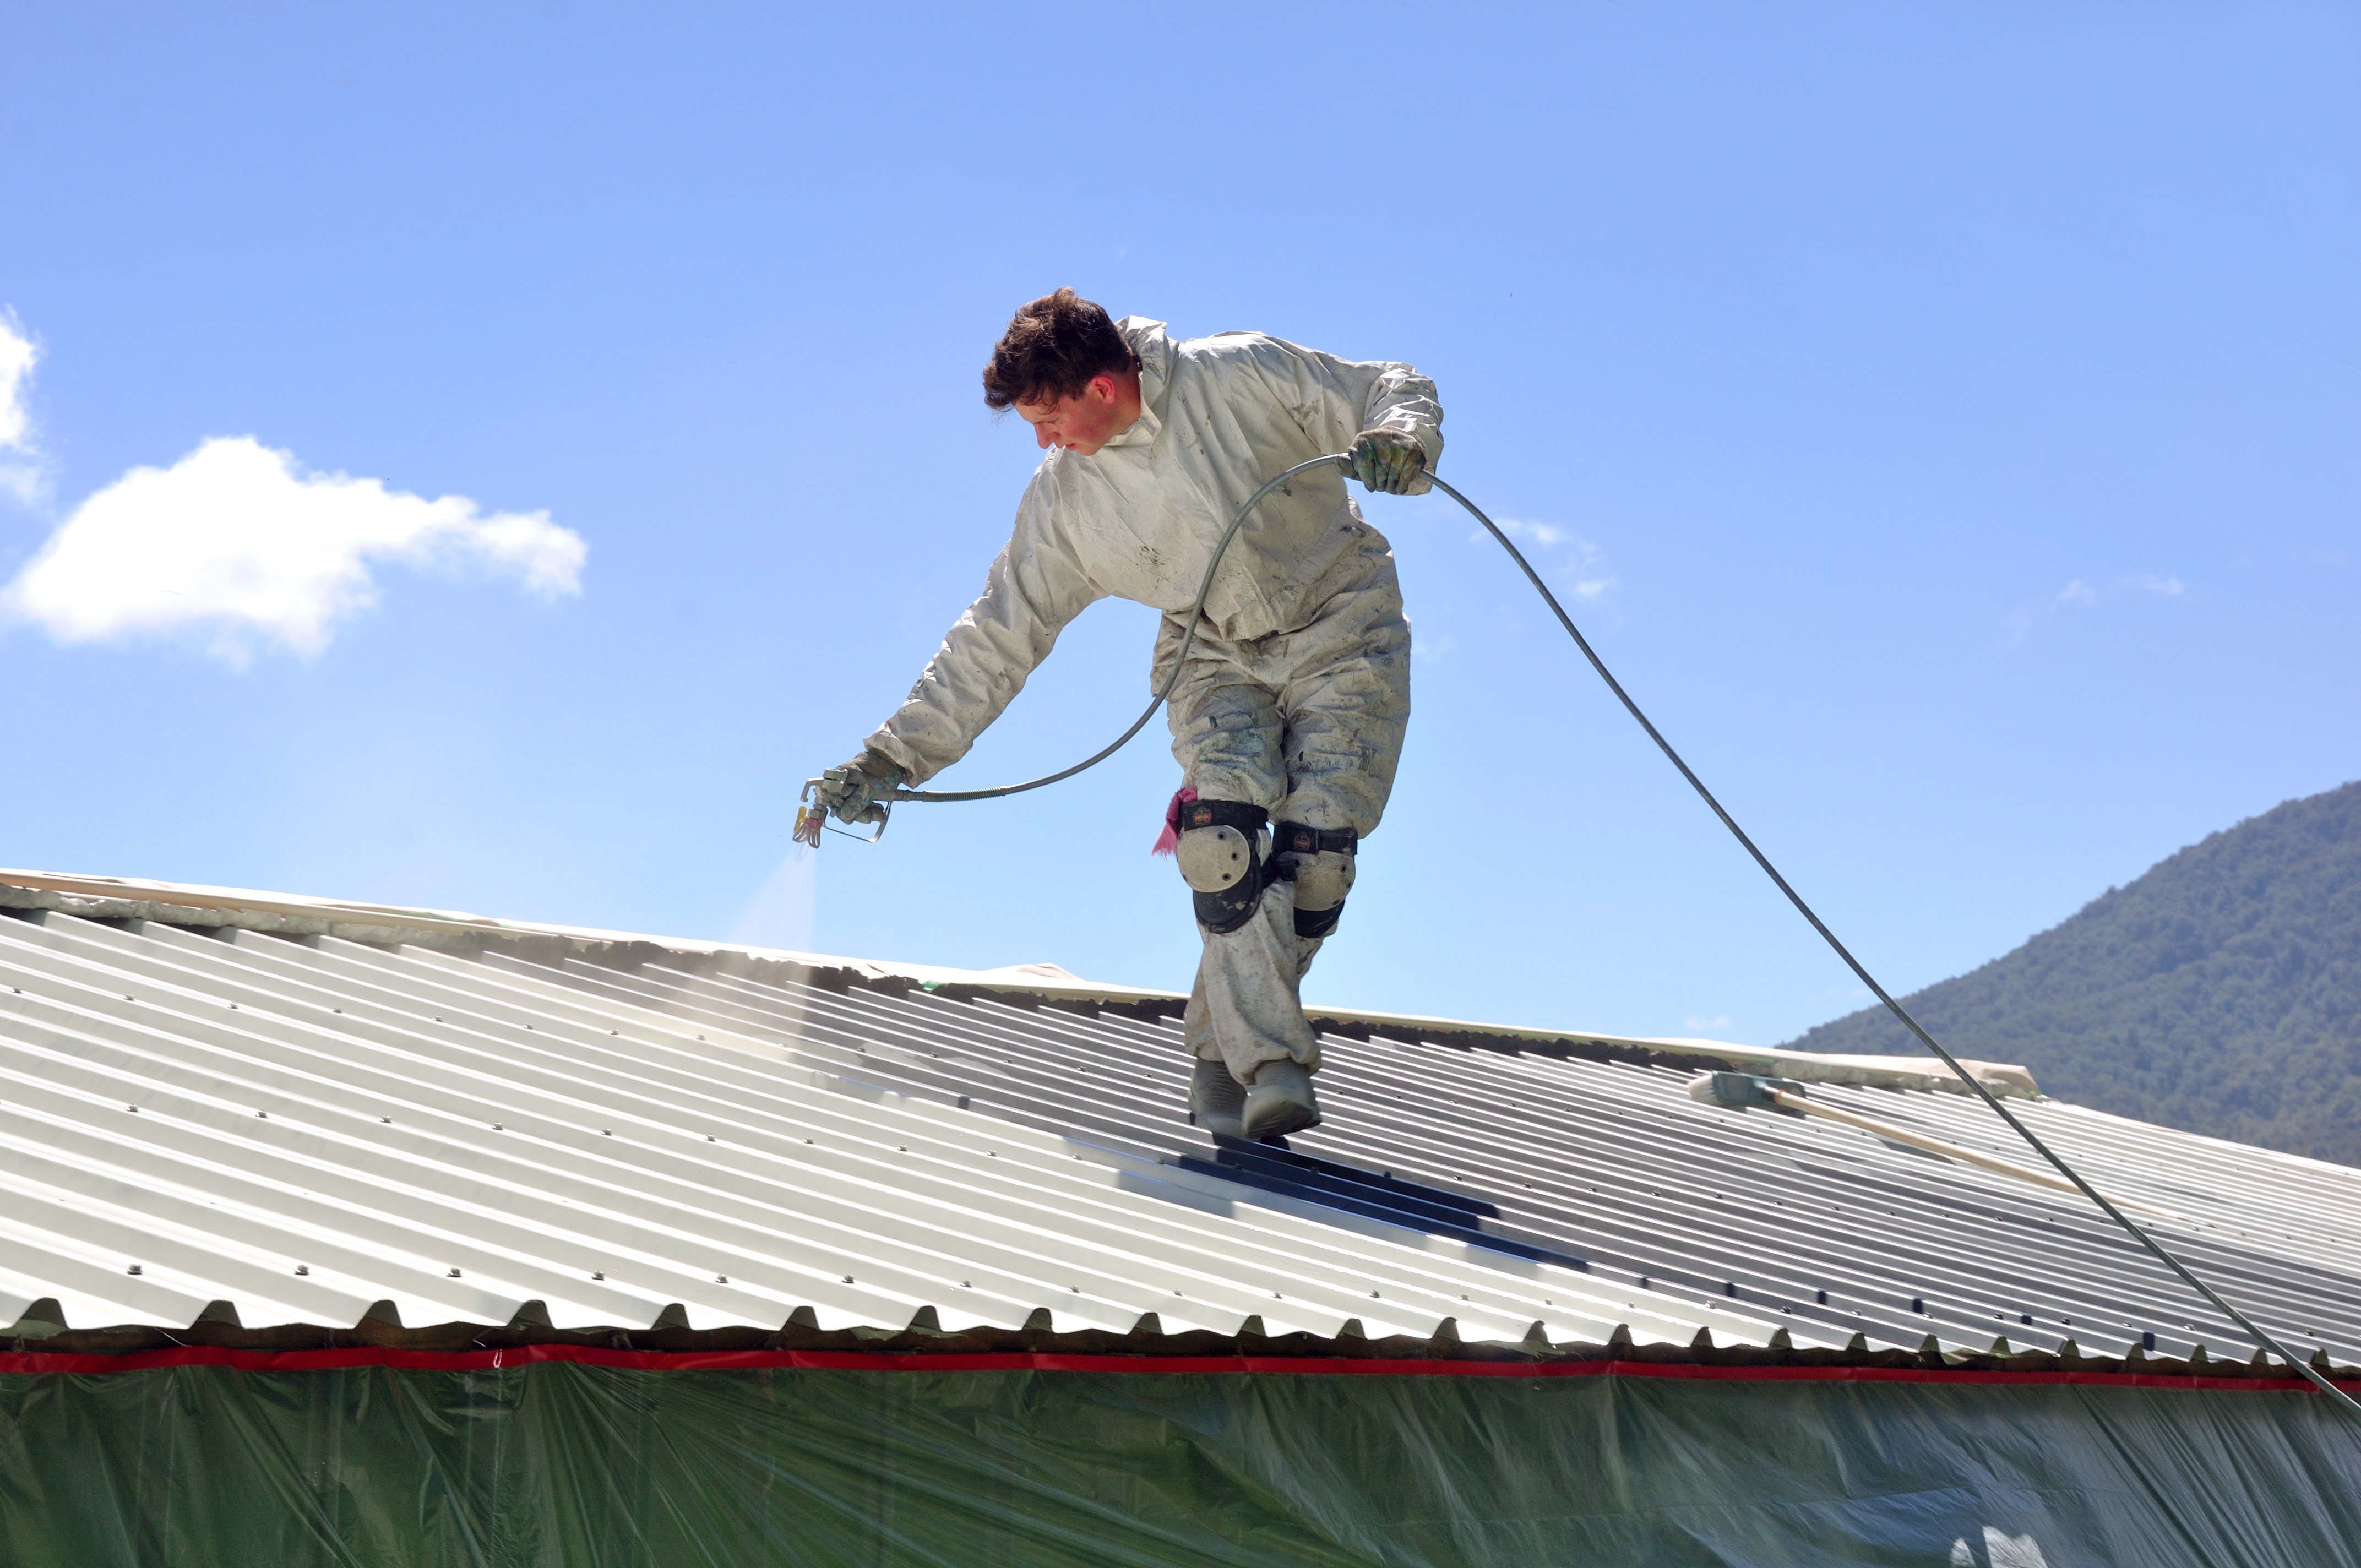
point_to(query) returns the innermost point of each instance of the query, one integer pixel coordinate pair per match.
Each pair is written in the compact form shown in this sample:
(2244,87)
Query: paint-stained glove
(1388,460)
(851,792)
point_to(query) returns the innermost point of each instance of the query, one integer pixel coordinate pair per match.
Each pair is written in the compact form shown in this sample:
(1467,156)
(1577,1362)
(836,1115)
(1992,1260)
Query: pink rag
(1169,840)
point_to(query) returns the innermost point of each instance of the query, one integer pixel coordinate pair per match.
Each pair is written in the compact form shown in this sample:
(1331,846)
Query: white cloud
(20,467)
(238,547)
(2020,622)
(1592,580)
(17,359)
(1538,532)
(1706,1021)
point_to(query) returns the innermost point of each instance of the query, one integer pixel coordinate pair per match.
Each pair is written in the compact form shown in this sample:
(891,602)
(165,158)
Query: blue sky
(1943,417)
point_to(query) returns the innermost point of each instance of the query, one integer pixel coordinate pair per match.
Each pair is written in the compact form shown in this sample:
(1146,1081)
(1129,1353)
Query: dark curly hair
(1051,349)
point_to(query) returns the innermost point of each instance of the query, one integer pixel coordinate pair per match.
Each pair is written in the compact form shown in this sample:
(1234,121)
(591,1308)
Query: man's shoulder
(1146,335)
(1233,342)
(1223,351)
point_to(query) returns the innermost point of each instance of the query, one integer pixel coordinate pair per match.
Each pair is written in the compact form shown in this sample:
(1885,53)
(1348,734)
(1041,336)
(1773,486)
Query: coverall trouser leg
(1307,725)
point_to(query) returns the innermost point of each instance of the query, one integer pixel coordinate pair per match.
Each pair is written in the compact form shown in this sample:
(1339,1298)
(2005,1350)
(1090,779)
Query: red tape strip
(40,1363)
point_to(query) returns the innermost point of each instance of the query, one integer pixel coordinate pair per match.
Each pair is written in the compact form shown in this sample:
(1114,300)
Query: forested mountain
(2219,993)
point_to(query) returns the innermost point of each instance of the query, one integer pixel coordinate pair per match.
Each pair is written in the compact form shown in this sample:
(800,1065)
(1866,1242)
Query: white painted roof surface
(321,1124)
(295,915)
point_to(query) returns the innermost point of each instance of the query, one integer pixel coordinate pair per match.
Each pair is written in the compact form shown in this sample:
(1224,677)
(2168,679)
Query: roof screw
(387,1120)
(712,1139)
(264,1114)
(721,1279)
(133,1109)
(847,1279)
(498,1128)
(133,1269)
(967,1284)
(455,1274)
(598,1273)
(606,1132)
(303,1268)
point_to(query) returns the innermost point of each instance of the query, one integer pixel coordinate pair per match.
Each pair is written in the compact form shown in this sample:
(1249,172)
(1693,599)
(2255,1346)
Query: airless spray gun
(812,817)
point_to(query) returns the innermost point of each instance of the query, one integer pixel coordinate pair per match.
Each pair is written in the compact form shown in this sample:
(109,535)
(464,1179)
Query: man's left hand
(1388,460)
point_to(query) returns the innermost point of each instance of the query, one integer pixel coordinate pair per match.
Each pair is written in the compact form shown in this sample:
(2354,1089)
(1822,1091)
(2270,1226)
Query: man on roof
(1288,718)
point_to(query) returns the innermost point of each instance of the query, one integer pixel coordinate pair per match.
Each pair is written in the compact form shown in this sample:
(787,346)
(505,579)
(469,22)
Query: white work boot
(1279,1101)
(1216,1100)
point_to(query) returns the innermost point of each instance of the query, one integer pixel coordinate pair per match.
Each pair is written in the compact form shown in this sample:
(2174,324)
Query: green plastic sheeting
(578,1464)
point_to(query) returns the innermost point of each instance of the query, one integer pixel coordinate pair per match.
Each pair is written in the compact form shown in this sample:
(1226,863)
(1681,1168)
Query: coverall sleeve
(1334,399)
(1034,588)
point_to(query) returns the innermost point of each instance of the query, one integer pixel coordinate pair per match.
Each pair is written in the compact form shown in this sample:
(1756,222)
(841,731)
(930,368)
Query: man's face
(1089,418)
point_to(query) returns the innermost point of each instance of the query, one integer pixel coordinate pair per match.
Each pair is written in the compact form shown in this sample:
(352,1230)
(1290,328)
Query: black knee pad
(1292,839)
(1223,913)
(1316,923)
(1225,866)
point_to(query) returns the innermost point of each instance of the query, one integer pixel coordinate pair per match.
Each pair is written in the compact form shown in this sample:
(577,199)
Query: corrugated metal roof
(291,915)
(305,1125)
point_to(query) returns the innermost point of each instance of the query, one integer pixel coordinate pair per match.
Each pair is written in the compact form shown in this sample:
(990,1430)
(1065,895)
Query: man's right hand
(849,792)
(1388,460)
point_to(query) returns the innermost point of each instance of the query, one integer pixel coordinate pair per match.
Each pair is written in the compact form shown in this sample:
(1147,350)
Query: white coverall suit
(1297,690)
